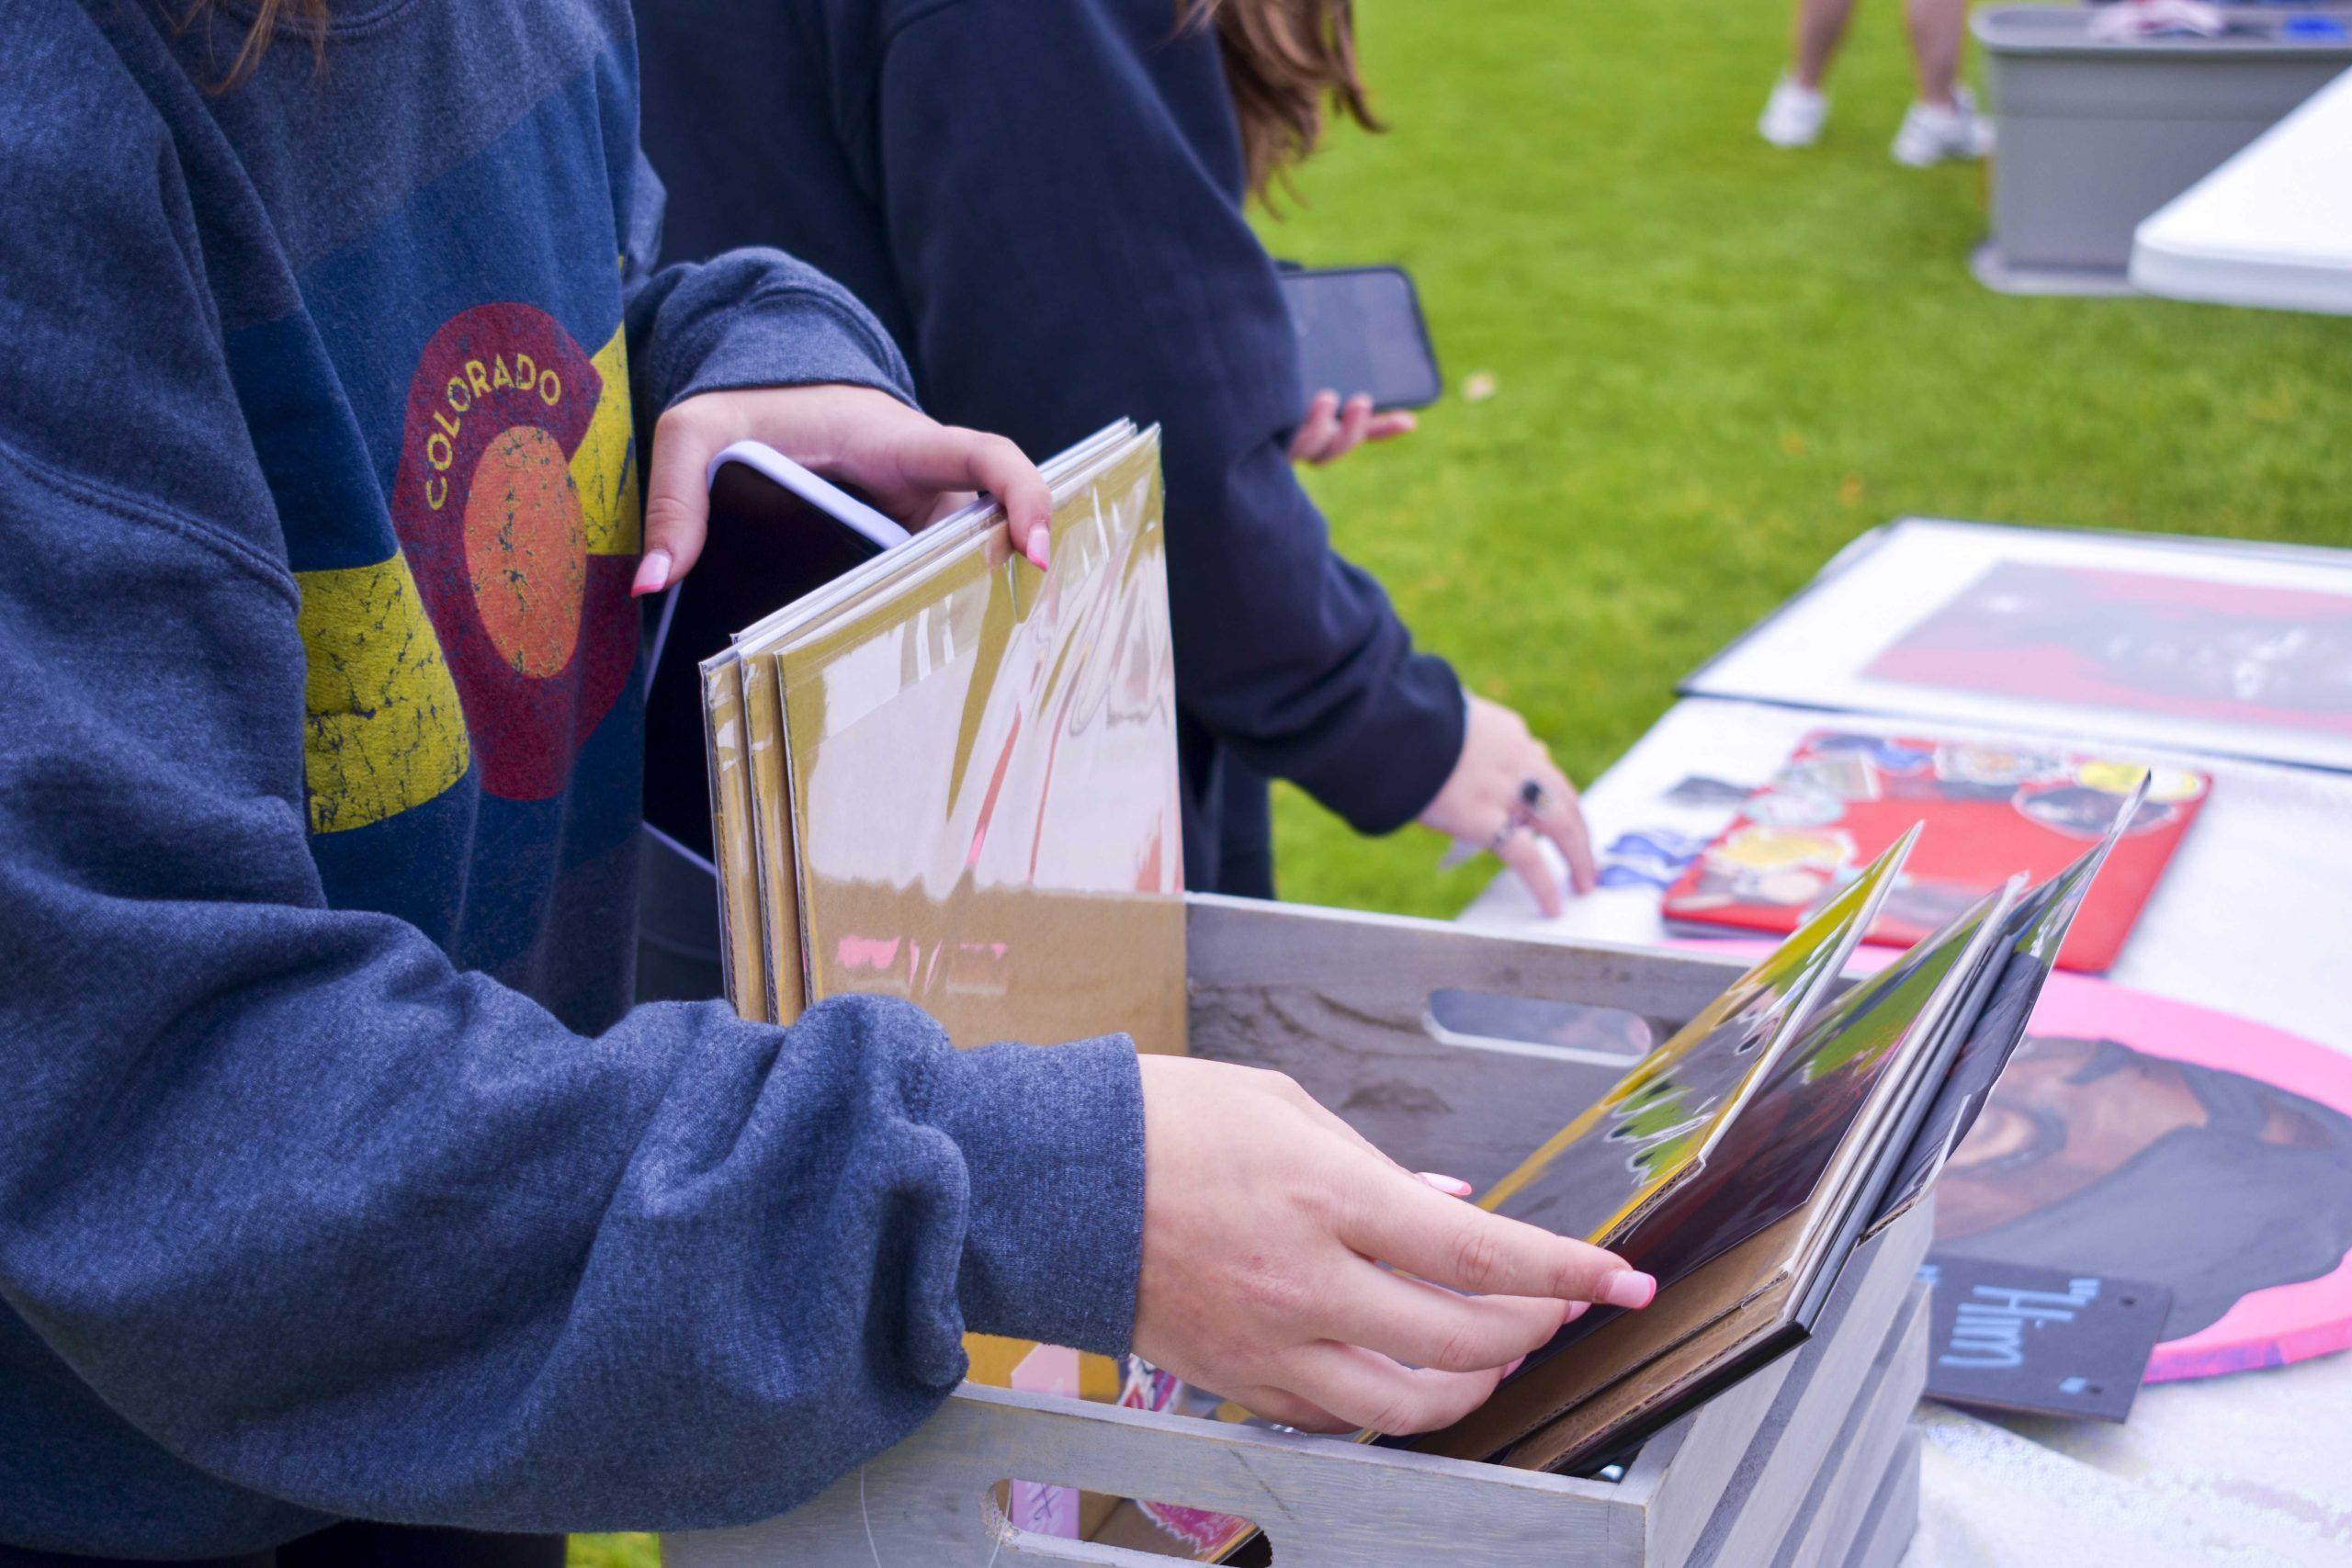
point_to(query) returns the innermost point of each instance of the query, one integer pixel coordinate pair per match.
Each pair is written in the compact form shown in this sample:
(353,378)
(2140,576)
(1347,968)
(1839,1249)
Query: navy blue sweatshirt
(1042,201)
(334,1180)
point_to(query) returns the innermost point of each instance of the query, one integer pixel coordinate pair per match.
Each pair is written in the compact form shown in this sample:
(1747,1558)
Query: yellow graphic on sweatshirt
(604,470)
(383,730)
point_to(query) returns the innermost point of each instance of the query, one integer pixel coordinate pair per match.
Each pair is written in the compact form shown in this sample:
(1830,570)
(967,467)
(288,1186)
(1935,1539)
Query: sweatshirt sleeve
(1068,256)
(752,317)
(322,1216)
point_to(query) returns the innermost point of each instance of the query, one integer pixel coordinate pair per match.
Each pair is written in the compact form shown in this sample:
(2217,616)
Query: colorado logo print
(516,507)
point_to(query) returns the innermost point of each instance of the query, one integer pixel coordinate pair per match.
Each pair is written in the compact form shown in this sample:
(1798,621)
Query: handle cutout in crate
(1608,1037)
(1038,1521)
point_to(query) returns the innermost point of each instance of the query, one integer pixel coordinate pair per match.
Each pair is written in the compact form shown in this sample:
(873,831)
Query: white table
(2272,227)
(2251,918)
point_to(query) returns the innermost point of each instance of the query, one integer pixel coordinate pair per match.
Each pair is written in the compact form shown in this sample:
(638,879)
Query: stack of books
(948,776)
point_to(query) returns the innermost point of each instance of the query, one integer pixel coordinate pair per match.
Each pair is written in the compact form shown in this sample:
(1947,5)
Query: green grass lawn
(1715,363)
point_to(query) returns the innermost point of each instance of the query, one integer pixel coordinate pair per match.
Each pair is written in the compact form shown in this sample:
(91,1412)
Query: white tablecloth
(2253,918)
(2272,227)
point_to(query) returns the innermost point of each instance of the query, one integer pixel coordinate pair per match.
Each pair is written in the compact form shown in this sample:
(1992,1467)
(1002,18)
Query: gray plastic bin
(2093,137)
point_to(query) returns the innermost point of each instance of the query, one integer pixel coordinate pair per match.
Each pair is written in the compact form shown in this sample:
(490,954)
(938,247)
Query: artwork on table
(2146,1138)
(1842,797)
(2210,645)
(2235,653)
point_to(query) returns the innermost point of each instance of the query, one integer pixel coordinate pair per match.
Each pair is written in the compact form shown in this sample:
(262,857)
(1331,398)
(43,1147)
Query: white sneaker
(1931,135)
(1792,116)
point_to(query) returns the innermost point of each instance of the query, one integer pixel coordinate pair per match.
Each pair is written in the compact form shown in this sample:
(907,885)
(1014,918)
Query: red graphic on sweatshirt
(529,599)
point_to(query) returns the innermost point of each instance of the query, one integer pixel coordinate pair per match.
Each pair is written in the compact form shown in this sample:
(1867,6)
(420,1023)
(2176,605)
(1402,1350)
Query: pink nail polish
(652,574)
(1452,1186)
(1514,1367)
(1039,552)
(1628,1287)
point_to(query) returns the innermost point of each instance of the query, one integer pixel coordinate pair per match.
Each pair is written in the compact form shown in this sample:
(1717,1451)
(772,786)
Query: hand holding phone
(1361,335)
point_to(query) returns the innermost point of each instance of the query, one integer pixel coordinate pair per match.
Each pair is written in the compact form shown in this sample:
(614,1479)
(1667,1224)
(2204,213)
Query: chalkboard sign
(2041,1341)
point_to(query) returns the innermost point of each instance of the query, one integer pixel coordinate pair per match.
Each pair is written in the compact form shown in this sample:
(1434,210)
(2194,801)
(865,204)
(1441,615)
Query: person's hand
(1503,792)
(1330,431)
(1266,1220)
(914,467)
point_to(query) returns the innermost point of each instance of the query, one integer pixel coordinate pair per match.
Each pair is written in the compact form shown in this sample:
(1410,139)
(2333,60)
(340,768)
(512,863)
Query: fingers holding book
(1451,1244)
(1290,1267)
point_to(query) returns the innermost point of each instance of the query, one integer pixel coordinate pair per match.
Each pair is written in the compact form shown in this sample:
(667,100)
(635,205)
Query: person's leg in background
(1798,108)
(1944,124)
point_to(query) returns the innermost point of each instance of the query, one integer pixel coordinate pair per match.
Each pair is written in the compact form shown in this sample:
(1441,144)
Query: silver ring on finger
(1535,800)
(1504,834)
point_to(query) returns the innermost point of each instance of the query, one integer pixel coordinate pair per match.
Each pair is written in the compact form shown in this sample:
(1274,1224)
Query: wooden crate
(1789,1464)
(1885,1531)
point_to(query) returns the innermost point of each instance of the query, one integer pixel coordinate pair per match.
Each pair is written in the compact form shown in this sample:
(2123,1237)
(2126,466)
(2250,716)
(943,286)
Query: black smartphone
(1360,329)
(777,533)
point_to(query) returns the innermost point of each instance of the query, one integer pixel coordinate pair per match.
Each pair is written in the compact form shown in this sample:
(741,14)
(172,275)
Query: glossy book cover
(981,768)
(1657,1126)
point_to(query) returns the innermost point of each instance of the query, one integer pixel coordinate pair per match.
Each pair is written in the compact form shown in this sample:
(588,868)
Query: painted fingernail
(1627,1287)
(1452,1186)
(652,574)
(1575,1310)
(1514,1366)
(1040,552)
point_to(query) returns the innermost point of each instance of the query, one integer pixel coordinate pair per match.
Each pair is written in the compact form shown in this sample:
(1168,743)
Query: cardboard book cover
(2032,938)
(1990,810)
(742,950)
(983,791)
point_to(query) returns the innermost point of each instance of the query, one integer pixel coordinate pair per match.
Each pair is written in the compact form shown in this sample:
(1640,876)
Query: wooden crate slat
(1825,1528)
(1341,1002)
(1325,1504)
(1893,1516)
(1772,1479)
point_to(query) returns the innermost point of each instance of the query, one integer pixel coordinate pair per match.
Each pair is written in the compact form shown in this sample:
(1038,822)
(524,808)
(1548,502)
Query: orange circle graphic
(526,550)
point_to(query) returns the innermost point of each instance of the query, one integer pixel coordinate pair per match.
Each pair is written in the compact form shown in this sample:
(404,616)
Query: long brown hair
(1283,58)
(308,15)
